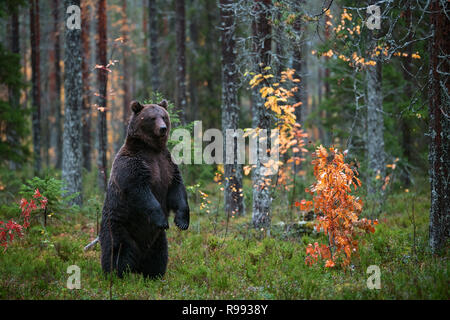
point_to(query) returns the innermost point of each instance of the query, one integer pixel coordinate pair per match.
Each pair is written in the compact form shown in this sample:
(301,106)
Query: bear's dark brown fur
(144,185)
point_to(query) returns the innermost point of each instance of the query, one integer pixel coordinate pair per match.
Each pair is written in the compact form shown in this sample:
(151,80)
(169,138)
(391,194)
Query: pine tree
(102,81)
(13,124)
(375,121)
(234,204)
(57,94)
(180,30)
(36,84)
(73,91)
(85,40)
(439,110)
(153,34)
(261,29)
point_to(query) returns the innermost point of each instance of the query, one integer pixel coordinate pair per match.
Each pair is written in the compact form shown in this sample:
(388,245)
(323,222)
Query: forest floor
(216,260)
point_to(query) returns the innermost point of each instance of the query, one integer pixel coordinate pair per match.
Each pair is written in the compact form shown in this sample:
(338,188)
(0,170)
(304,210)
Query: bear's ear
(136,106)
(163,104)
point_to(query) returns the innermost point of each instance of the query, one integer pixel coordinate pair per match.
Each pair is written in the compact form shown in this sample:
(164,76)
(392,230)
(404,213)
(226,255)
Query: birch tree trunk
(262,199)
(36,82)
(234,204)
(180,30)
(439,110)
(102,81)
(73,91)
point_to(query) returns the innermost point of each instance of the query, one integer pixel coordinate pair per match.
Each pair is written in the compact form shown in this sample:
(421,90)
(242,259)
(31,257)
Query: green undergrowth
(219,260)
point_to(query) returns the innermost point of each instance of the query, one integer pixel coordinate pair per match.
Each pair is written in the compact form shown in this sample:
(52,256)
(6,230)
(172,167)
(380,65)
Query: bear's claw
(180,223)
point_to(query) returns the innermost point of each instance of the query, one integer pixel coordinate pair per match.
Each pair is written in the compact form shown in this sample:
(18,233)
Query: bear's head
(149,123)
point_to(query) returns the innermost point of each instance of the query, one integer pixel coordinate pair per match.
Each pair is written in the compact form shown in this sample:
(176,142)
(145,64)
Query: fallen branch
(93,243)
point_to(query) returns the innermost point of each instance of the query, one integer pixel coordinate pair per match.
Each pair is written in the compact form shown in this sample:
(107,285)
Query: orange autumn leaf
(329,264)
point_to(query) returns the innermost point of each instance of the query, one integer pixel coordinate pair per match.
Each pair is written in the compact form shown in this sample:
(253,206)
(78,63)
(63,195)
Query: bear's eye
(153,118)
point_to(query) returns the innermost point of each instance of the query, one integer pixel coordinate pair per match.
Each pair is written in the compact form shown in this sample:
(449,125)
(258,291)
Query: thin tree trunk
(14,92)
(125,83)
(439,110)
(102,80)
(193,82)
(36,81)
(153,34)
(327,70)
(404,122)
(234,204)
(146,41)
(57,71)
(375,127)
(279,64)
(73,90)
(326,138)
(300,96)
(85,39)
(180,30)
(262,199)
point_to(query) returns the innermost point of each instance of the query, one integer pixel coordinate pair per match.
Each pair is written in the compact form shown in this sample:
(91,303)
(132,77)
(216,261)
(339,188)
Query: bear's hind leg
(123,259)
(154,262)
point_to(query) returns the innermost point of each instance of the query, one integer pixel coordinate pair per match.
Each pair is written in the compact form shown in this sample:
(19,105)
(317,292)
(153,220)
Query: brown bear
(144,185)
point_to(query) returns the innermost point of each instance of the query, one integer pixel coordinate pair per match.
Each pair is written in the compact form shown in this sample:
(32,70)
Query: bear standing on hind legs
(144,185)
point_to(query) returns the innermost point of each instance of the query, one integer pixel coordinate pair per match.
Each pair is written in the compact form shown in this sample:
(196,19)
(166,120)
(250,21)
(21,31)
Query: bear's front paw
(182,218)
(163,225)
(159,219)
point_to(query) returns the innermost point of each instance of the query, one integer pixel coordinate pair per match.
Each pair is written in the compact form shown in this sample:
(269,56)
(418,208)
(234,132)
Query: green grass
(206,264)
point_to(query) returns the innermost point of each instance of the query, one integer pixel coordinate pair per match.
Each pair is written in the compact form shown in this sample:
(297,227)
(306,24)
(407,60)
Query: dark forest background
(380,95)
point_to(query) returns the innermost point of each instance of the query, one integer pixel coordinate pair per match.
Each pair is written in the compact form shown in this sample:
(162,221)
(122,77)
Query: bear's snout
(162,130)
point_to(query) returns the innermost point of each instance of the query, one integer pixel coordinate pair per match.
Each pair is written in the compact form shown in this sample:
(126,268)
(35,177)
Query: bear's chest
(160,175)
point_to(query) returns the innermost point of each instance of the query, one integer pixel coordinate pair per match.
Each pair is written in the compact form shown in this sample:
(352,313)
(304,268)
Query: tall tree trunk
(85,39)
(153,34)
(146,46)
(325,135)
(439,110)
(279,64)
(375,124)
(57,94)
(36,81)
(180,30)
(102,81)
(14,92)
(404,122)
(375,127)
(234,204)
(300,96)
(327,70)
(73,90)
(262,199)
(193,78)
(125,66)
